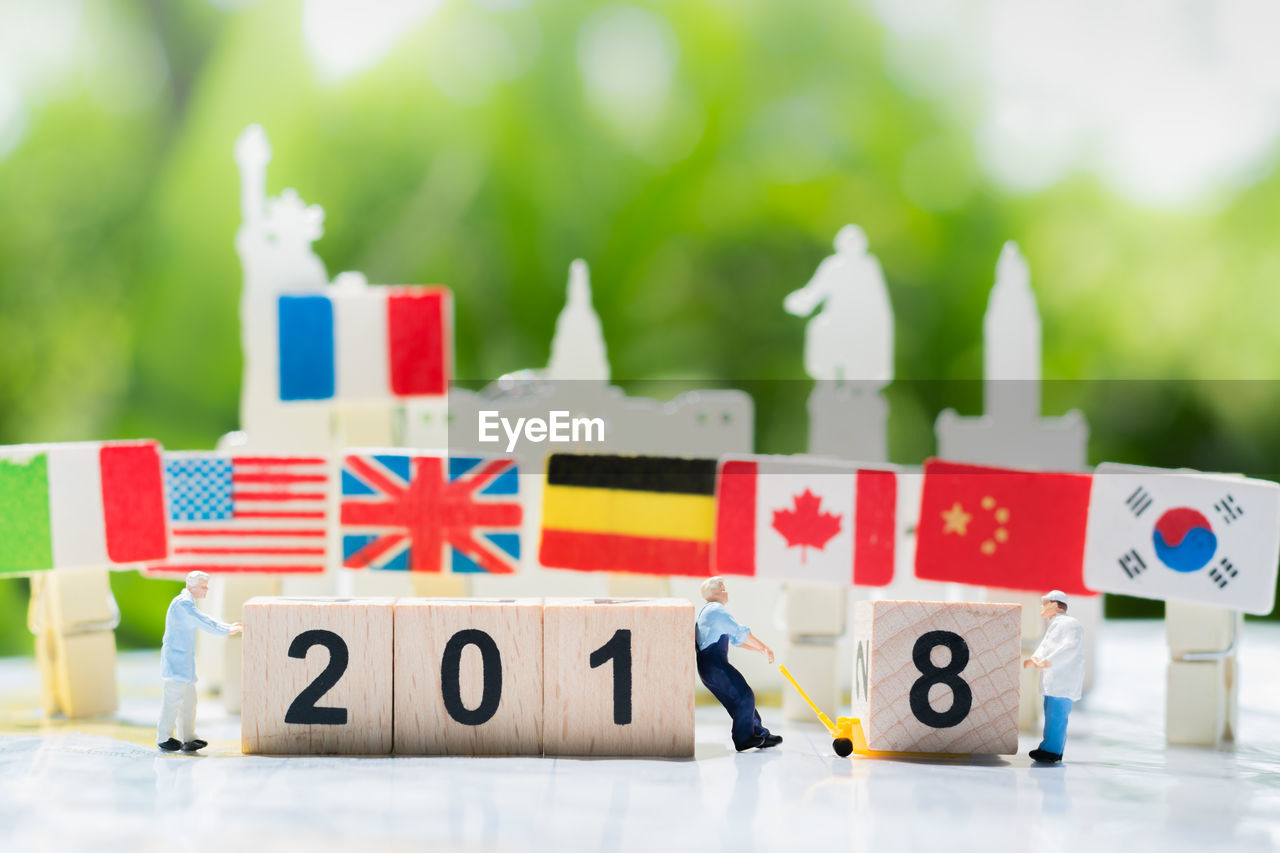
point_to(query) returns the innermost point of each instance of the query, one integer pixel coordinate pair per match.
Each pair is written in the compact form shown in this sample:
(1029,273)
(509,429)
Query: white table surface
(102,787)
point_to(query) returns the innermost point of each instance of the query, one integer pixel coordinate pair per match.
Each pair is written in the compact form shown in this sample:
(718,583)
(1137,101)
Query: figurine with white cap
(1060,659)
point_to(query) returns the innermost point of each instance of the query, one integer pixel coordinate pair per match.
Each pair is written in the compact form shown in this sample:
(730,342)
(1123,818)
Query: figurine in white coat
(1060,659)
(178,664)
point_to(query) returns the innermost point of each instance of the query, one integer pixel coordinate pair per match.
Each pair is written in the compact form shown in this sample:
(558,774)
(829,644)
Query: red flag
(1002,527)
(800,519)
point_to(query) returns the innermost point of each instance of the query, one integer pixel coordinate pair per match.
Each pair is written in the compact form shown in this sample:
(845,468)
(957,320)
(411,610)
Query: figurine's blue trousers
(728,685)
(1056,711)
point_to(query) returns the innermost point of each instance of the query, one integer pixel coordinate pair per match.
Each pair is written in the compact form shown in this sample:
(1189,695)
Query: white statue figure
(274,244)
(851,339)
(577,349)
(1011,341)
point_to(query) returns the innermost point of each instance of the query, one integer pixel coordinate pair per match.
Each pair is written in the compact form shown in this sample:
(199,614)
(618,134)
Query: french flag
(368,343)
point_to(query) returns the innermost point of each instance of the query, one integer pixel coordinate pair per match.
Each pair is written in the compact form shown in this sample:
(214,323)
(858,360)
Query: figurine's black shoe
(759,742)
(193,745)
(171,745)
(1041,756)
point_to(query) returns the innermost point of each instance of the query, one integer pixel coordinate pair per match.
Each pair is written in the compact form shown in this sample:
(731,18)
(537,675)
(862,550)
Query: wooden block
(813,665)
(234,591)
(439,584)
(1032,625)
(468,676)
(85,666)
(618,676)
(1030,702)
(317,676)
(937,677)
(1193,628)
(1087,610)
(1201,704)
(79,597)
(810,610)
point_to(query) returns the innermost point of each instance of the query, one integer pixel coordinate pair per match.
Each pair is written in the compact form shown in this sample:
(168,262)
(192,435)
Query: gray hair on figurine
(197,579)
(710,587)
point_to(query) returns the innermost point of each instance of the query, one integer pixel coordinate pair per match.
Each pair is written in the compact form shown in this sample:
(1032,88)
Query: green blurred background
(700,155)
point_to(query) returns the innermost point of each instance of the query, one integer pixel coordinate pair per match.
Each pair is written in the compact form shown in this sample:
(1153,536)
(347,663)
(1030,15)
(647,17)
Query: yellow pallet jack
(847,735)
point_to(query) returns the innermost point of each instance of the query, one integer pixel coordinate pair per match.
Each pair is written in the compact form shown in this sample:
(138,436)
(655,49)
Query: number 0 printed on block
(468,676)
(317,676)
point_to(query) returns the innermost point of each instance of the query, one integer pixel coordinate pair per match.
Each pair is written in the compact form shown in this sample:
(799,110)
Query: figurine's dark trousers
(728,685)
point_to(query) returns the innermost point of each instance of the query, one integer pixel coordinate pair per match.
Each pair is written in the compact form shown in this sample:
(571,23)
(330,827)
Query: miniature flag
(80,505)
(1184,536)
(261,513)
(645,514)
(1001,527)
(370,343)
(795,519)
(404,511)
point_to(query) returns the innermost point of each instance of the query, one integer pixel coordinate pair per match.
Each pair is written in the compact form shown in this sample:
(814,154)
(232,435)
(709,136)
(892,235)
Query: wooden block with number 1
(317,676)
(468,676)
(937,677)
(618,676)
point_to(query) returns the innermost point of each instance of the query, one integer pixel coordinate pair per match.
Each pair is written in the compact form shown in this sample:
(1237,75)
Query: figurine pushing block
(468,676)
(937,677)
(317,676)
(618,676)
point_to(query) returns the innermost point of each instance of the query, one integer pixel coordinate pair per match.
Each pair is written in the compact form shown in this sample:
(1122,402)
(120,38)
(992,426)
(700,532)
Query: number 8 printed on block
(937,677)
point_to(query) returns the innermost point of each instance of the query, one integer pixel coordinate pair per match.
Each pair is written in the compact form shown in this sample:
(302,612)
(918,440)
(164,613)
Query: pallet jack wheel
(843,747)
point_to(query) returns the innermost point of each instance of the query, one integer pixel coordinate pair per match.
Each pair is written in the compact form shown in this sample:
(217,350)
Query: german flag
(645,514)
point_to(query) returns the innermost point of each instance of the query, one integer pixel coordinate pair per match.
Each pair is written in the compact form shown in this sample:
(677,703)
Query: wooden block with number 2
(317,676)
(937,677)
(618,676)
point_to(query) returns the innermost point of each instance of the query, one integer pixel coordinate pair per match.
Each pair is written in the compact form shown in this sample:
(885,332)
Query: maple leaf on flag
(806,525)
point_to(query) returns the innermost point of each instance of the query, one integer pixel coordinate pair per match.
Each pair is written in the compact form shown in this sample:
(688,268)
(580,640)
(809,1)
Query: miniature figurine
(716,629)
(1060,657)
(178,664)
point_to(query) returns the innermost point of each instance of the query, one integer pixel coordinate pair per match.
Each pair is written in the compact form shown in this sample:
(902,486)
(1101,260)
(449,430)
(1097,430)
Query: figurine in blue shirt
(716,629)
(178,664)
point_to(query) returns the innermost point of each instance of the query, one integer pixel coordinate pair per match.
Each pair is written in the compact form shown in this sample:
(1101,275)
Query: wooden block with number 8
(317,676)
(468,676)
(939,677)
(618,676)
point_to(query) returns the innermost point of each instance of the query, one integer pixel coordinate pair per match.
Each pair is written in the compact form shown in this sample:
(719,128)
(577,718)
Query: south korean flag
(1180,535)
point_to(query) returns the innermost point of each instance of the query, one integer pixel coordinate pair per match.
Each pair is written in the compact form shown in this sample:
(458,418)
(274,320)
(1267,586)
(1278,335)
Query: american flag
(407,512)
(242,513)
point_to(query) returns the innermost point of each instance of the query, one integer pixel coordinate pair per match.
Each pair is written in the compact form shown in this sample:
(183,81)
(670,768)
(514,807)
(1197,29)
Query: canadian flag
(797,519)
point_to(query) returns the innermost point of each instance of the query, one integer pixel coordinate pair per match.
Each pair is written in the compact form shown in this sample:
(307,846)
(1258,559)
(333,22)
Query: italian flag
(80,505)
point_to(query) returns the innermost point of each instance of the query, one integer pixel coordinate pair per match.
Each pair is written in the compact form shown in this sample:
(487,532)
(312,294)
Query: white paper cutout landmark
(848,350)
(577,348)
(1011,432)
(324,363)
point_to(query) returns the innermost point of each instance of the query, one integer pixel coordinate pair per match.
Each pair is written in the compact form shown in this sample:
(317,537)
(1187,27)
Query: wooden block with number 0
(468,676)
(939,677)
(317,676)
(618,676)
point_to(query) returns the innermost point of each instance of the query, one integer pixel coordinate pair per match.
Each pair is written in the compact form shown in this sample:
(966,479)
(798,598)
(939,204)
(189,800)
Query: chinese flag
(1002,527)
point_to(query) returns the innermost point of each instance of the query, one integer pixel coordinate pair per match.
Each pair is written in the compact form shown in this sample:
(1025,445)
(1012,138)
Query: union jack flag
(407,512)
